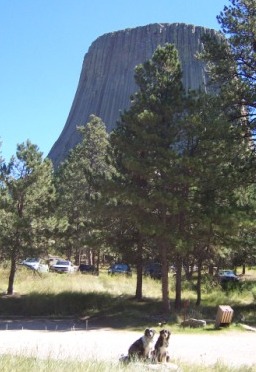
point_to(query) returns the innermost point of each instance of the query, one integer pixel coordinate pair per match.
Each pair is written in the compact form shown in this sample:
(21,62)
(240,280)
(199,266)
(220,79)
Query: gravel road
(232,348)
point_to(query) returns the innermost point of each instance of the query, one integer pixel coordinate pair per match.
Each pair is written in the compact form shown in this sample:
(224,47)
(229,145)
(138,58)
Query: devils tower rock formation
(107,77)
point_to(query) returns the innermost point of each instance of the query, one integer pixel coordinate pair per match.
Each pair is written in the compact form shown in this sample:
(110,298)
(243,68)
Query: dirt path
(232,348)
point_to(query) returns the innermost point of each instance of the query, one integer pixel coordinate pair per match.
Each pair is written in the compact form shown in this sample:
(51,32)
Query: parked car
(154,270)
(63,266)
(87,269)
(36,264)
(120,268)
(227,276)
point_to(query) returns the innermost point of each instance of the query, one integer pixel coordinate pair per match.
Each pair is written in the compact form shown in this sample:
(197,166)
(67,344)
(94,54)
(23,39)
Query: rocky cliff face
(107,77)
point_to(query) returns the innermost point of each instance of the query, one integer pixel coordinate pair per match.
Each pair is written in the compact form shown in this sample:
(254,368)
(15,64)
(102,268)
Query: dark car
(154,270)
(226,276)
(120,268)
(87,269)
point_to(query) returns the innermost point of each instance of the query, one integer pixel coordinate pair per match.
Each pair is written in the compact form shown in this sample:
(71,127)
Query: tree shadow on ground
(80,311)
(75,310)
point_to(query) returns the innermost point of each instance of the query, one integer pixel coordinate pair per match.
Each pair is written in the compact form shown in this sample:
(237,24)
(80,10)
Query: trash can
(224,316)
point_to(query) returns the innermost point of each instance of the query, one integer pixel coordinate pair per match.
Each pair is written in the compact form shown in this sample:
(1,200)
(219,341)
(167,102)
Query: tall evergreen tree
(219,163)
(27,194)
(181,160)
(78,193)
(148,146)
(232,67)
(232,59)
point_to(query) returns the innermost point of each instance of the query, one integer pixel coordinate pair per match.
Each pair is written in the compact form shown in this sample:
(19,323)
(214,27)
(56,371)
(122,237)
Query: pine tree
(27,195)
(232,59)
(181,161)
(148,145)
(219,159)
(78,192)
(232,67)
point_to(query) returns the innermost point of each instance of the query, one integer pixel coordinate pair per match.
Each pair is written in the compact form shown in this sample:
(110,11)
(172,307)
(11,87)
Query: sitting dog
(161,353)
(143,347)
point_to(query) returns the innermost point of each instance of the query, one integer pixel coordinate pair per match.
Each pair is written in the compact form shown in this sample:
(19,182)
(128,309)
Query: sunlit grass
(76,294)
(23,364)
(27,281)
(112,297)
(234,297)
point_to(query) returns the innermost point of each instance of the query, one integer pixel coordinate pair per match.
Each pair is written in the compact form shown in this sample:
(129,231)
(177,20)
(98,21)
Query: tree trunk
(165,279)
(211,270)
(178,283)
(12,275)
(77,256)
(199,281)
(98,262)
(138,294)
(188,271)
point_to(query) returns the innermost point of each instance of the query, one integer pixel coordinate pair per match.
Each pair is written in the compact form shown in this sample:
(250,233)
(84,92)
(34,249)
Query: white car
(63,266)
(36,264)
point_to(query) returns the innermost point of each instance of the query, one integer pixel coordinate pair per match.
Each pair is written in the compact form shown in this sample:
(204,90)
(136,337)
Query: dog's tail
(125,359)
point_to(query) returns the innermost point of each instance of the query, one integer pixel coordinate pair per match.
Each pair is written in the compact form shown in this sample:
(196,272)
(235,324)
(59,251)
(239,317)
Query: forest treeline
(174,182)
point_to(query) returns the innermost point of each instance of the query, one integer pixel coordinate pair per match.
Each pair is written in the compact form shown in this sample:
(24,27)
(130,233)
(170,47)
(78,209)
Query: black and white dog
(161,353)
(143,347)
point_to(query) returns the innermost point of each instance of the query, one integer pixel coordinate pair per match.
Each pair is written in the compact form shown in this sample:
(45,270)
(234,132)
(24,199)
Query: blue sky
(43,43)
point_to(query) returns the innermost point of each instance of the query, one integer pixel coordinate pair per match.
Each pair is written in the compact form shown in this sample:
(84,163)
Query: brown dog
(161,353)
(143,347)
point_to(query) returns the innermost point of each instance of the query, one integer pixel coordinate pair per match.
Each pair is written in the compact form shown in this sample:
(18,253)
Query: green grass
(110,302)
(110,299)
(23,364)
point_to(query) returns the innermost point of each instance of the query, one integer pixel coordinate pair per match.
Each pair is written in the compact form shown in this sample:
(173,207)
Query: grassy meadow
(110,299)
(23,364)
